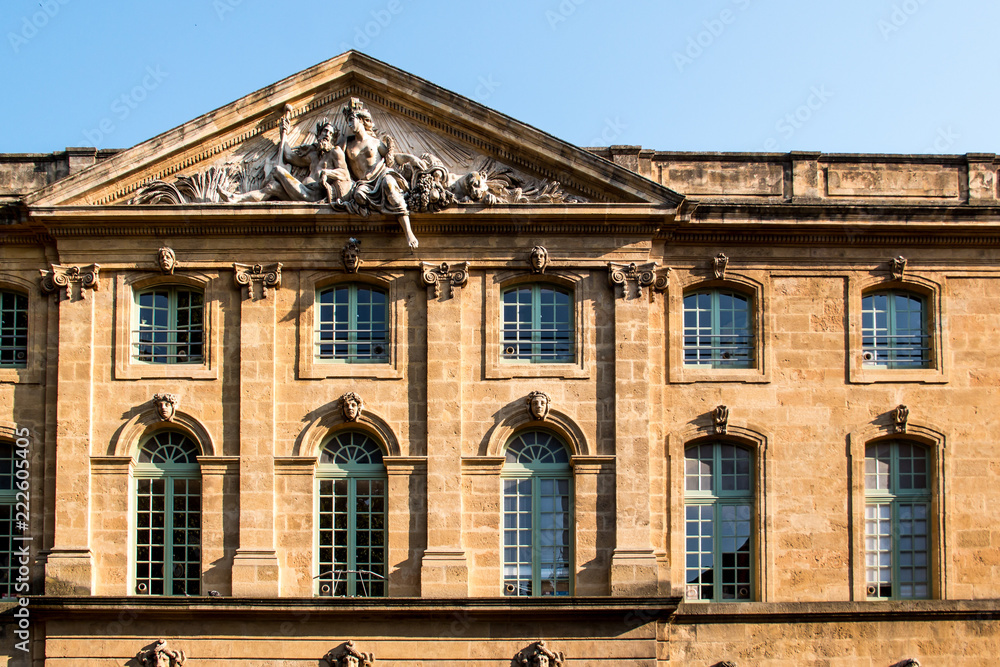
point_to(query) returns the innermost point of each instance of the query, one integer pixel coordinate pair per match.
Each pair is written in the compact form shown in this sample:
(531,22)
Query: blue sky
(873,76)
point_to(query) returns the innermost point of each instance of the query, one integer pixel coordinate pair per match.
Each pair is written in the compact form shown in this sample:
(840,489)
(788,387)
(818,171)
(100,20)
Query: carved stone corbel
(265,275)
(166,406)
(166,260)
(538,260)
(436,274)
(352,405)
(160,655)
(645,275)
(62,277)
(349,656)
(539,655)
(897,266)
(351,255)
(899,417)
(719,264)
(720,419)
(538,405)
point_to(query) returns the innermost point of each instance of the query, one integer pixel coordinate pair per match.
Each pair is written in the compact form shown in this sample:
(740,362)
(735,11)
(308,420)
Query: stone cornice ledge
(627,608)
(813,612)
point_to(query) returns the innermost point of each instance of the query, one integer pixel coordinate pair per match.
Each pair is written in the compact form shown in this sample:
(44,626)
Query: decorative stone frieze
(264,275)
(434,275)
(352,405)
(719,264)
(899,417)
(538,403)
(166,259)
(349,656)
(640,276)
(351,255)
(62,277)
(720,419)
(539,655)
(897,266)
(160,655)
(166,406)
(538,260)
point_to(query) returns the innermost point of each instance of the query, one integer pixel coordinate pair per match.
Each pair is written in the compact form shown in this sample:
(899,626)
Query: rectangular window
(537,325)
(170,326)
(13,330)
(352,325)
(894,331)
(718,330)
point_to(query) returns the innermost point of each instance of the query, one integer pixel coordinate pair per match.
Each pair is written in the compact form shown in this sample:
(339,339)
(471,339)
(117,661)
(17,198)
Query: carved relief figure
(538,405)
(351,255)
(327,176)
(351,404)
(161,656)
(720,418)
(540,656)
(899,417)
(376,187)
(539,259)
(166,259)
(349,656)
(166,406)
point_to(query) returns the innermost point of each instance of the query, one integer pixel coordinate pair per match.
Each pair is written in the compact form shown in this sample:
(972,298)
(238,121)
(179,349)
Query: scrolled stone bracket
(900,415)
(720,419)
(897,266)
(434,275)
(645,275)
(264,275)
(63,277)
(719,264)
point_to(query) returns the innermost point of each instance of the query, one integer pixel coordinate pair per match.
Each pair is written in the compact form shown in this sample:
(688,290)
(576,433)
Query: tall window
(8,530)
(897,521)
(168,516)
(13,330)
(170,327)
(718,512)
(352,325)
(894,330)
(537,325)
(537,516)
(718,329)
(351,491)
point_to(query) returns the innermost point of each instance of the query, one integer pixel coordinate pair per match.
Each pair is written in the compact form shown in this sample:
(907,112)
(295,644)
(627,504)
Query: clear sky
(873,76)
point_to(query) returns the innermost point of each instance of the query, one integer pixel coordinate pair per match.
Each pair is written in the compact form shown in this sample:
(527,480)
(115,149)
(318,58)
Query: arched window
(718,329)
(352,324)
(170,326)
(537,324)
(13,330)
(168,516)
(351,538)
(897,521)
(895,330)
(537,516)
(8,530)
(718,515)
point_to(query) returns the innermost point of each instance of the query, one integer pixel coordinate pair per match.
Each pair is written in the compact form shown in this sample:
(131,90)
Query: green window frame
(718,329)
(167,537)
(8,519)
(537,541)
(352,324)
(169,326)
(897,521)
(720,544)
(13,329)
(537,325)
(895,330)
(351,532)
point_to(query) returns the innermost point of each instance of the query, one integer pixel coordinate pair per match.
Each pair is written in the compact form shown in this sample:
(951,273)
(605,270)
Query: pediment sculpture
(357,171)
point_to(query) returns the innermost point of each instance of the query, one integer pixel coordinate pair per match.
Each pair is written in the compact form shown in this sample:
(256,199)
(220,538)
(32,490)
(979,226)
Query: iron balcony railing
(901,351)
(168,346)
(539,345)
(352,344)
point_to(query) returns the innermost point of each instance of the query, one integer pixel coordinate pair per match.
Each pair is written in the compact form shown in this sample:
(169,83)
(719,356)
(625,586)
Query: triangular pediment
(233,148)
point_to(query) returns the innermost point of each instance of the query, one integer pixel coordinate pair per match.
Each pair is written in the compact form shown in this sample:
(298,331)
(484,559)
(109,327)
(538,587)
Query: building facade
(356,369)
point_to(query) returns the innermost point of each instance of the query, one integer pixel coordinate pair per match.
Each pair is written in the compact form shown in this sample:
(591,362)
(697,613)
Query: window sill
(691,374)
(509,370)
(140,371)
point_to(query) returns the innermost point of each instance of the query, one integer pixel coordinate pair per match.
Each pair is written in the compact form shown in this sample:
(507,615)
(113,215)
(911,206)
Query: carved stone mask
(166,259)
(352,405)
(538,405)
(166,406)
(351,255)
(539,259)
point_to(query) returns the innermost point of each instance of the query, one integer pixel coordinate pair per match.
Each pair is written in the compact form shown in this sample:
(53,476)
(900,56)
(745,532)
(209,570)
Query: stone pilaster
(255,565)
(69,566)
(219,520)
(594,510)
(444,571)
(407,523)
(633,564)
